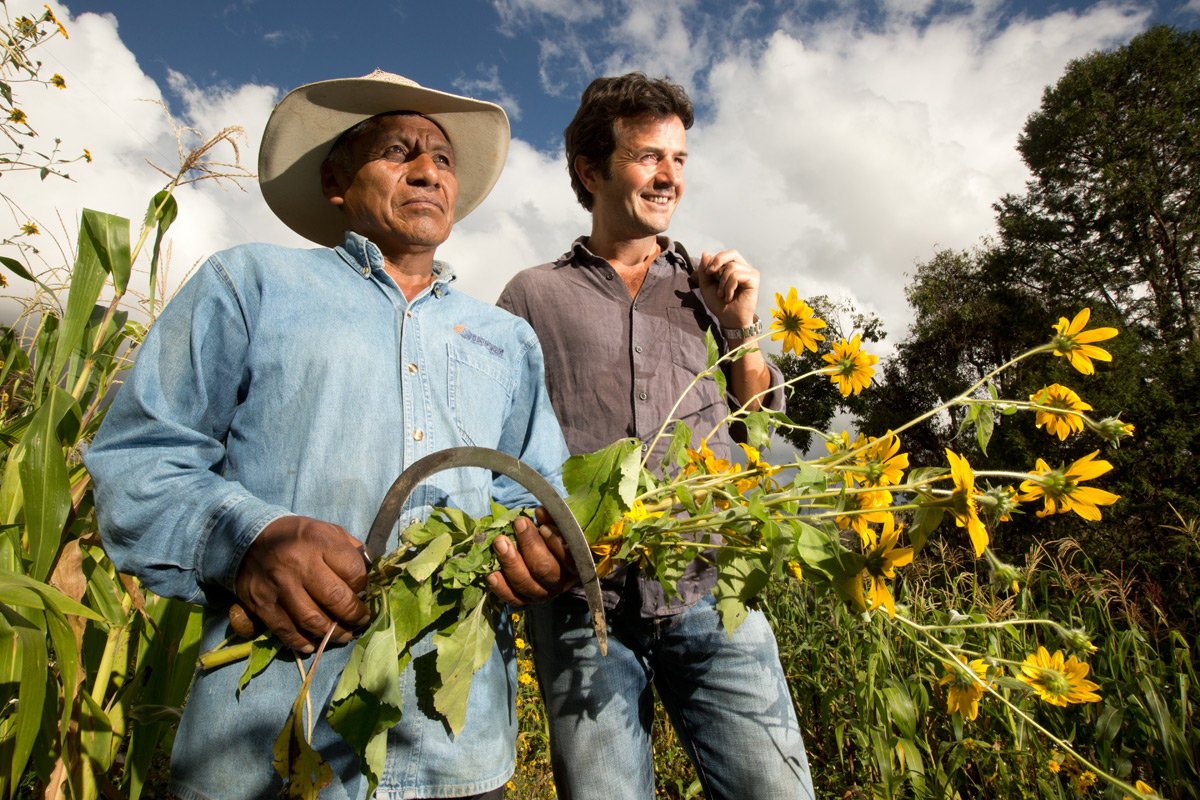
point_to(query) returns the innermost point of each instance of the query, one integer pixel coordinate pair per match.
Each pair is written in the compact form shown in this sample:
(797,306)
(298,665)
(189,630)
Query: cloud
(489,87)
(832,153)
(516,14)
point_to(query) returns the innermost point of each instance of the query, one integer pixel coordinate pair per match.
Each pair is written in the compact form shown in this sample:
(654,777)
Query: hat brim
(306,123)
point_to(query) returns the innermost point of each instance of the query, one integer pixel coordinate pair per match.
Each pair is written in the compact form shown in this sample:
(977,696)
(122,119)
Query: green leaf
(263,651)
(710,344)
(110,237)
(758,429)
(925,522)
(17,268)
(303,770)
(722,381)
(43,473)
(14,586)
(368,699)
(740,577)
(424,563)
(681,440)
(163,210)
(87,279)
(984,427)
(30,643)
(461,650)
(901,710)
(414,607)
(602,485)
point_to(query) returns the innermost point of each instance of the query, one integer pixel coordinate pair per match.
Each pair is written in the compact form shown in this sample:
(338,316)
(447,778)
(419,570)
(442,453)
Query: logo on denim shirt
(475,338)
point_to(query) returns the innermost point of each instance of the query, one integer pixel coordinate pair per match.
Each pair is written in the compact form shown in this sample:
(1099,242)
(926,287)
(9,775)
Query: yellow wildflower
(882,557)
(17,116)
(882,463)
(795,323)
(704,459)
(525,679)
(1060,490)
(49,17)
(519,642)
(1085,781)
(29,229)
(1054,765)
(793,569)
(1075,344)
(1145,789)
(87,155)
(57,81)
(840,443)
(964,692)
(1059,417)
(851,369)
(757,470)
(965,509)
(1058,681)
(873,506)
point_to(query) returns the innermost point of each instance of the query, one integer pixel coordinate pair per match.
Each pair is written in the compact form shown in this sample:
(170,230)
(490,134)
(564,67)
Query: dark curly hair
(593,132)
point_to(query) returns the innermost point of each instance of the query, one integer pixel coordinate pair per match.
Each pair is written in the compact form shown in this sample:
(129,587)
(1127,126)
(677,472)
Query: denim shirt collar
(364,257)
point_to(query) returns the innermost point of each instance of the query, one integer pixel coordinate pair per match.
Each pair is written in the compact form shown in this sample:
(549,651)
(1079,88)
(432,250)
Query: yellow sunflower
(757,470)
(1060,418)
(882,558)
(851,369)
(1058,681)
(840,443)
(965,509)
(1145,789)
(795,323)
(1075,344)
(1061,492)
(882,463)
(57,81)
(874,506)
(964,692)
(704,460)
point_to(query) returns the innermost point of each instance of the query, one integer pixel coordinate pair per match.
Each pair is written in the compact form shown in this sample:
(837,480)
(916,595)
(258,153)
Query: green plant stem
(224,654)
(104,671)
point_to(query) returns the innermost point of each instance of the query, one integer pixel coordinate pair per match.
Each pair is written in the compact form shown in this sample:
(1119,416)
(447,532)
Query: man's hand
(302,575)
(729,287)
(541,570)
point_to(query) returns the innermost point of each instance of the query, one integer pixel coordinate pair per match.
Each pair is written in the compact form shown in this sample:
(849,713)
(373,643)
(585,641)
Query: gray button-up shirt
(615,366)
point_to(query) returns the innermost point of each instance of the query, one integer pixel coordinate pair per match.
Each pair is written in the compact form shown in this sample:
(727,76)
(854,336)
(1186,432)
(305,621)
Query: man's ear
(331,184)
(587,173)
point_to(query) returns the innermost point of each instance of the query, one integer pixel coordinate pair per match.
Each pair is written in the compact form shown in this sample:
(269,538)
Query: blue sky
(837,143)
(501,51)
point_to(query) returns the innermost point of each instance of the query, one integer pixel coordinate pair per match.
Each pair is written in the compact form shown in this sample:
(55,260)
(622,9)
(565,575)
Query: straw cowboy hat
(306,123)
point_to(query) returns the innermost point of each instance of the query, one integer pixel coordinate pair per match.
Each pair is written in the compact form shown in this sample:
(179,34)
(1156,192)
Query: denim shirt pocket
(480,390)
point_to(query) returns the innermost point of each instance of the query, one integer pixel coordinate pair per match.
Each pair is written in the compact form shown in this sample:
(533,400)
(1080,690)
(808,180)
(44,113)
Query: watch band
(743,333)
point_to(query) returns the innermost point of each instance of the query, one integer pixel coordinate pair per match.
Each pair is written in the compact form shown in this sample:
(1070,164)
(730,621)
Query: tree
(1110,221)
(1113,213)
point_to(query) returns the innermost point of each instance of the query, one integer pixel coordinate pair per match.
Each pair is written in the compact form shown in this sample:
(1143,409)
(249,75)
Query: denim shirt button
(366,271)
(637,349)
(408,314)
(418,435)
(412,368)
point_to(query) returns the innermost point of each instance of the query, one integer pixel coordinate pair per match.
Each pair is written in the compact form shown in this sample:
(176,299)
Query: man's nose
(423,170)
(669,171)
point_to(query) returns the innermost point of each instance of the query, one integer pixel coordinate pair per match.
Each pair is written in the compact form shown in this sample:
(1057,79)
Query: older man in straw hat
(281,392)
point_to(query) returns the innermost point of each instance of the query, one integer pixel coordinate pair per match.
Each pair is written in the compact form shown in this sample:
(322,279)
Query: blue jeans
(728,700)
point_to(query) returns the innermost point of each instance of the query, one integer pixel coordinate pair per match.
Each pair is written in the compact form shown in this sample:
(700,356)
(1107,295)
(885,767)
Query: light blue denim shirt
(282,381)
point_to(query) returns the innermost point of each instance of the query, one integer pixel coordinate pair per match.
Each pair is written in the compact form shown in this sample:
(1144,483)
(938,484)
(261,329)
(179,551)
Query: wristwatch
(743,333)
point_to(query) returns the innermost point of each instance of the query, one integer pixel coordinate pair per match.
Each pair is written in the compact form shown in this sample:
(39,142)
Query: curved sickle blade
(523,474)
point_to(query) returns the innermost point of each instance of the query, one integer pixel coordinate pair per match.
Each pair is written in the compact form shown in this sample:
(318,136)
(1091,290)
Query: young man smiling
(622,317)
